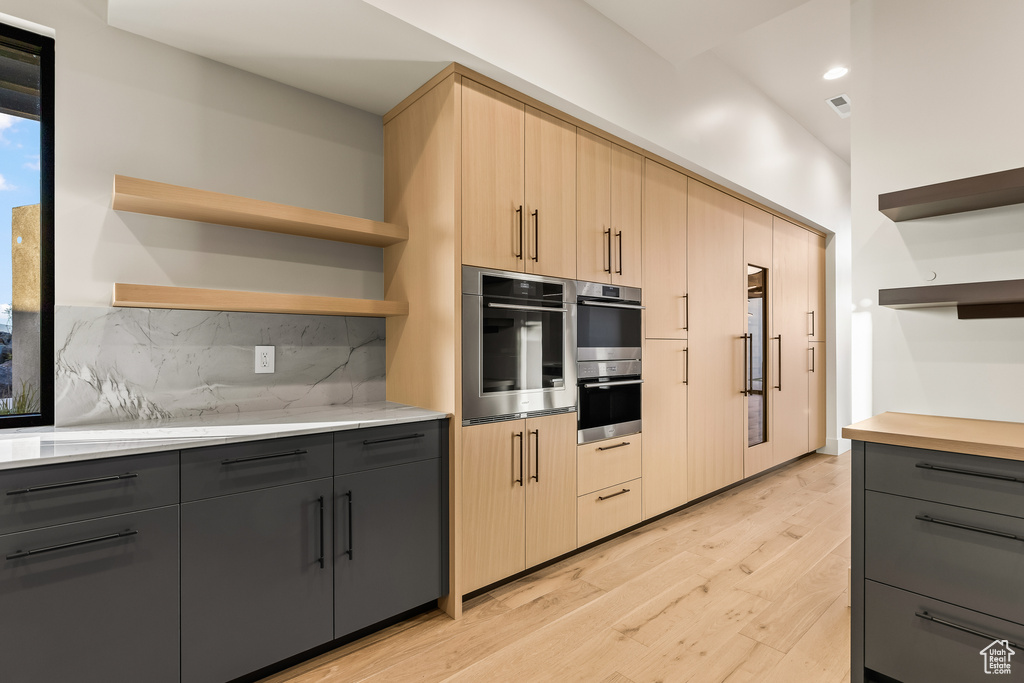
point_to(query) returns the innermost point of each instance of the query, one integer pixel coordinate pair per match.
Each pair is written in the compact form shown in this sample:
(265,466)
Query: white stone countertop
(48,445)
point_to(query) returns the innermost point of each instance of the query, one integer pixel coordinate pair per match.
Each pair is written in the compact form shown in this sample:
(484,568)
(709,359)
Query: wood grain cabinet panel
(550,487)
(717,299)
(759,443)
(816,286)
(626,223)
(790,389)
(605,463)
(664,251)
(609,510)
(816,435)
(550,195)
(664,418)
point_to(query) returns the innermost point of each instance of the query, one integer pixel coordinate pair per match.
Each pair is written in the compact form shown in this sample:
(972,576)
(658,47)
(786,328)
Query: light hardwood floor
(748,586)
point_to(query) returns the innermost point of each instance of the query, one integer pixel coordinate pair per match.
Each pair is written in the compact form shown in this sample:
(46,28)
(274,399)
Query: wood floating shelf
(955,196)
(174,201)
(186,298)
(973,300)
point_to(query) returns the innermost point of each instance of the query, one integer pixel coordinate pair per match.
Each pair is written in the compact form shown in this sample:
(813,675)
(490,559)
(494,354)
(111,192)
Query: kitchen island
(938,522)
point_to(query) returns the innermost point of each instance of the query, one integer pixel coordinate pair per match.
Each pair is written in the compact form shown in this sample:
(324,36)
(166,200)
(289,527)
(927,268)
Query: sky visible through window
(19,186)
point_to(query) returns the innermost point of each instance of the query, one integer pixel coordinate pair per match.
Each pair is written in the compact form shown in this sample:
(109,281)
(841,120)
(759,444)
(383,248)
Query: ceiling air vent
(841,105)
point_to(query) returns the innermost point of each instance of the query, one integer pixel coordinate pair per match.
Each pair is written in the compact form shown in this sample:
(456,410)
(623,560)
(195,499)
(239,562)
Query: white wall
(936,99)
(128,105)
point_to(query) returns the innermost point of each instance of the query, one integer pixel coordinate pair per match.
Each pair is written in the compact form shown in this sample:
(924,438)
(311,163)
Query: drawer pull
(72,544)
(348,551)
(66,484)
(958,525)
(972,473)
(251,458)
(966,629)
(613,495)
(393,438)
(618,445)
(321,558)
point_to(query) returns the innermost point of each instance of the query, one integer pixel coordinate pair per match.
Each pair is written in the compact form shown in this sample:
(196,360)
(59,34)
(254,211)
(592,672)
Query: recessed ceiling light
(837,72)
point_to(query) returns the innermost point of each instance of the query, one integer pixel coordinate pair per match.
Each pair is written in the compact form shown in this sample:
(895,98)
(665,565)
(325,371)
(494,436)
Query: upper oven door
(518,345)
(608,331)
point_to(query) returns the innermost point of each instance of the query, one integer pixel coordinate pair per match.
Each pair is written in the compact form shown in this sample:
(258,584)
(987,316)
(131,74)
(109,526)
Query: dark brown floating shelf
(973,300)
(955,196)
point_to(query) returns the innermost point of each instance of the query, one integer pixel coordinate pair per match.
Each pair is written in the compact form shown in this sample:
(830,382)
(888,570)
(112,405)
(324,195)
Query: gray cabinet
(93,601)
(256,574)
(936,563)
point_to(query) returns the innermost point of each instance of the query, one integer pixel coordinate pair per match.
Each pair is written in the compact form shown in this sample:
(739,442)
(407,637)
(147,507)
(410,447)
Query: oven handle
(588,302)
(599,385)
(514,307)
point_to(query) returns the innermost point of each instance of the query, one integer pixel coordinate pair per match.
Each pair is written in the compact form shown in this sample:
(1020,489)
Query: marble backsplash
(116,364)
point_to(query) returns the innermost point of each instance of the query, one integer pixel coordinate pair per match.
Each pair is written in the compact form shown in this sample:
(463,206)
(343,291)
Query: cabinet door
(594,246)
(664,250)
(664,408)
(550,487)
(790,345)
(550,195)
(103,611)
(387,552)
(758,454)
(253,587)
(816,286)
(816,398)
(493,220)
(626,209)
(493,502)
(717,299)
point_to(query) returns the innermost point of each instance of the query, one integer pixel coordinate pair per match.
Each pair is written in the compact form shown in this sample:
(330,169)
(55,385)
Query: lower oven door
(608,407)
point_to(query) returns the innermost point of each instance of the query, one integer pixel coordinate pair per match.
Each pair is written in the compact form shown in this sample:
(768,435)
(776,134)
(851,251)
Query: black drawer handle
(348,494)
(80,482)
(321,558)
(966,629)
(251,458)
(613,495)
(958,525)
(394,438)
(972,473)
(72,544)
(618,445)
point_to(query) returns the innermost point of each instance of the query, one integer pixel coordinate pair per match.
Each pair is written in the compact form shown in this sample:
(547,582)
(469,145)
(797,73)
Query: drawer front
(988,484)
(101,609)
(606,463)
(966,566)
(609,510)
(914,649)
(235,468)
(357,450)
(36,497)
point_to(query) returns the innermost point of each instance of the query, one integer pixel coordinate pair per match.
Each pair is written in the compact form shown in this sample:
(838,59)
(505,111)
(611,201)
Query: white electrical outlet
(264,359)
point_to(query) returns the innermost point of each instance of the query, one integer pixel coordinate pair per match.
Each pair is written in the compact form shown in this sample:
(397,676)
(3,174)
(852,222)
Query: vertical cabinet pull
(686,311)
(812,359)
(779,385)
(608,234)
(747,344)
(686,365)
(517,435)
(536,455)
(519,213)
(618,236)
(811,333)
(536,234)
(348,551)
(321,558)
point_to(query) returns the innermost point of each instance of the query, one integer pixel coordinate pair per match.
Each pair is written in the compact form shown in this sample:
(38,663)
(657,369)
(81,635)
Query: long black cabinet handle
(536,455)
(619,236)
(253,458)
(393,438)
(536,234)
(613,495)
(321,558)
(779,368)
(348,494)
(609,233)
(519,212)
(686,311)
(971,473)
(686,364)
(72,544)
(618,445)
(518,435)
(66,484)
(966,629)
(968,527)
(747,338)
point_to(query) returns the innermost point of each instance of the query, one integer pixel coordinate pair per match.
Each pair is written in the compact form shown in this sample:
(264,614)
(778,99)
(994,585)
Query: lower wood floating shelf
(973,300)
(186,298)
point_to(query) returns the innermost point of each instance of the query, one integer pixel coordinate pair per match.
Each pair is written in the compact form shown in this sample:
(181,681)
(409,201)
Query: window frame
(41,45)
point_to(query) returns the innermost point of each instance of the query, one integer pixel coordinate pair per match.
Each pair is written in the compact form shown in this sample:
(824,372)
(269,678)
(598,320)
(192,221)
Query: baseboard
(836,446)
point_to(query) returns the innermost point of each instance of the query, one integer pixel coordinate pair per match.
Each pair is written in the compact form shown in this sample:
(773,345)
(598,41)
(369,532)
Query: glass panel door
(756,348)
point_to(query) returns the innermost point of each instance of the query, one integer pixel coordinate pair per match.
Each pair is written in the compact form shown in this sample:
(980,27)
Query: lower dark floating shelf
(973,300)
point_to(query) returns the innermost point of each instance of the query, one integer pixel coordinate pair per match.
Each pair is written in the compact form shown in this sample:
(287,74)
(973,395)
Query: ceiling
(361,53)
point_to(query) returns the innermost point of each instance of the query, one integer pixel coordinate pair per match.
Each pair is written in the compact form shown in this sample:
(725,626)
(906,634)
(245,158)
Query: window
(26,228)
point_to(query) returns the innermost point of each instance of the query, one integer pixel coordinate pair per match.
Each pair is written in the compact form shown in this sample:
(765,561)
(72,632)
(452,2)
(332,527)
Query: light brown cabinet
(609,183)
(717,300)
(816,286)
(664,250)
(605,463)
(759,439)
(518,185)
(519,496)
(816,435)
(664,419)
(790,343)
